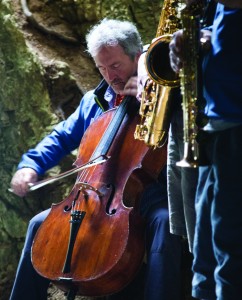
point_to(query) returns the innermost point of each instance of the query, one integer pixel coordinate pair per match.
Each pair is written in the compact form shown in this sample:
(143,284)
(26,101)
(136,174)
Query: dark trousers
(218,244)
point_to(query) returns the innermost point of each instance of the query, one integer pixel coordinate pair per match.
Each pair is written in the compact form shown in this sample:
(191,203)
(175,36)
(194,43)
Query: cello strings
(107,138)
(82,178)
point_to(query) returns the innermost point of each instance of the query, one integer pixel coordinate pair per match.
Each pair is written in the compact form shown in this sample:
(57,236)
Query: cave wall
(44,71)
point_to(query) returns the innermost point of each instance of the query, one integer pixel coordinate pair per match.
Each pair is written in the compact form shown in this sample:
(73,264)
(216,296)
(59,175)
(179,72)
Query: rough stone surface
(44,71)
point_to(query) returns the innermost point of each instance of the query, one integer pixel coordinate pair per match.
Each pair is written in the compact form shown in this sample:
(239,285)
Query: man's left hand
(130,87)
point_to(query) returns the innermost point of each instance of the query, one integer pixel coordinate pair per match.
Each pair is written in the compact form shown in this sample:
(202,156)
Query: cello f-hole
(110,191)
(68,208)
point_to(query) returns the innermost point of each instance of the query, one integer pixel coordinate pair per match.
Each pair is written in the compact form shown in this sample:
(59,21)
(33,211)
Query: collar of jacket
(99,95)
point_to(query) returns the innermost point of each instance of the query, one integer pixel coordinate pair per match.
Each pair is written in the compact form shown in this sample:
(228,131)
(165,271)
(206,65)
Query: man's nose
(111,74)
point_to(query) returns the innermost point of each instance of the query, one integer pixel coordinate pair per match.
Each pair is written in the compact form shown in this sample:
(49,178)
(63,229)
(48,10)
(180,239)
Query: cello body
(93,242)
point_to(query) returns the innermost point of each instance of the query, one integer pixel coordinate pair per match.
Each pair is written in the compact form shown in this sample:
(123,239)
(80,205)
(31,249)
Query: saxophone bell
(190,158)
(156,104)
(158,62)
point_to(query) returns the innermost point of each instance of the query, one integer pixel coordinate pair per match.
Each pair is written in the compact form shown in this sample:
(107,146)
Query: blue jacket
(67,135)
(223,65)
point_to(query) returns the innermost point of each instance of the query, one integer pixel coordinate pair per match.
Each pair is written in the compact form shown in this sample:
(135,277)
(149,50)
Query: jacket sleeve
(65,137)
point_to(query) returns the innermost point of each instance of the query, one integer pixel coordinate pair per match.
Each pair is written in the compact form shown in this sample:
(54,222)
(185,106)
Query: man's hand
(130,87)
(21,179)
(176,48)
(142,76)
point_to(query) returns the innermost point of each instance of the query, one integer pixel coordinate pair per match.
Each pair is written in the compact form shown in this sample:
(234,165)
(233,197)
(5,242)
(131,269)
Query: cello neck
(111,131)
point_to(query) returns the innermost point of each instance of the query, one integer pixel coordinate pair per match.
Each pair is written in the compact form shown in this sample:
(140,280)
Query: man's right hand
(21,179)
(142,76)
(176,47)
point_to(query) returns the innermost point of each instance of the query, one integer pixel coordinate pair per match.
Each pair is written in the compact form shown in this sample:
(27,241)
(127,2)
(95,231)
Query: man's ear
(137,56)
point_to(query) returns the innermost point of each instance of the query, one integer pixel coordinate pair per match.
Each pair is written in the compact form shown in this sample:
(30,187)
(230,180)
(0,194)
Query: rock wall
(44,71)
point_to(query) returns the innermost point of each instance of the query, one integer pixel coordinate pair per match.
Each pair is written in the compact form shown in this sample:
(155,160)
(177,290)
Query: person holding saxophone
(217,264)
(181,182)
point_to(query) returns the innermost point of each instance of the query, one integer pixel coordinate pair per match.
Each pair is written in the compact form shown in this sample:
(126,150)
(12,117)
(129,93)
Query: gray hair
(112,33)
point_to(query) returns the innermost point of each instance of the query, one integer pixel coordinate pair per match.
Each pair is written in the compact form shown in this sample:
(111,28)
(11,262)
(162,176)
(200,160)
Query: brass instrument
(156,106)
(190,17)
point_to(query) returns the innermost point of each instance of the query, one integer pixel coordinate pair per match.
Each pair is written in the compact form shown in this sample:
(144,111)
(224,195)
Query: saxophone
(156,103)
(190,79)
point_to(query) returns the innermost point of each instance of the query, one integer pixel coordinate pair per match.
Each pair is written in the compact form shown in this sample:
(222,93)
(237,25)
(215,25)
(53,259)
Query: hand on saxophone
(21,180)
(142,76)
(135,85)
(176,47)
(130,87)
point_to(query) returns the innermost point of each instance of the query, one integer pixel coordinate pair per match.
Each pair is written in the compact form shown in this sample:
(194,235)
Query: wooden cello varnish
(107,241)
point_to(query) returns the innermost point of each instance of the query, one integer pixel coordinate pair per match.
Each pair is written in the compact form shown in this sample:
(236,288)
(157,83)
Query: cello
(92,243)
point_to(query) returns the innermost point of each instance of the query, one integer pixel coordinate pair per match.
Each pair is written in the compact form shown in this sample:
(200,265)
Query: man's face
(115,66)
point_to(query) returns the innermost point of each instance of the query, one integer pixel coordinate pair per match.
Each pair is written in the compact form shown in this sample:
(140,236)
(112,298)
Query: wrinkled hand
(21,179)
(205,40)
(130,87)
(142,76)
(176,48)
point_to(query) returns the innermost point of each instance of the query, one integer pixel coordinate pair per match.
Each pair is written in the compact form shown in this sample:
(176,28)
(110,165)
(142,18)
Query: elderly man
(115,47)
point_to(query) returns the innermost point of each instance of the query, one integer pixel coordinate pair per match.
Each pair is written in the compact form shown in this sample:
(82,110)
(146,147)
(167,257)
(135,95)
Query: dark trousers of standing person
(218,244)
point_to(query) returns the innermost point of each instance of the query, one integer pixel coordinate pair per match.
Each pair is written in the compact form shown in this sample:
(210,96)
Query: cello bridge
(83,187)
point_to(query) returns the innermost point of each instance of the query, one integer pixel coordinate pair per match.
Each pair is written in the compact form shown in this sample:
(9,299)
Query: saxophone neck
(169,21)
